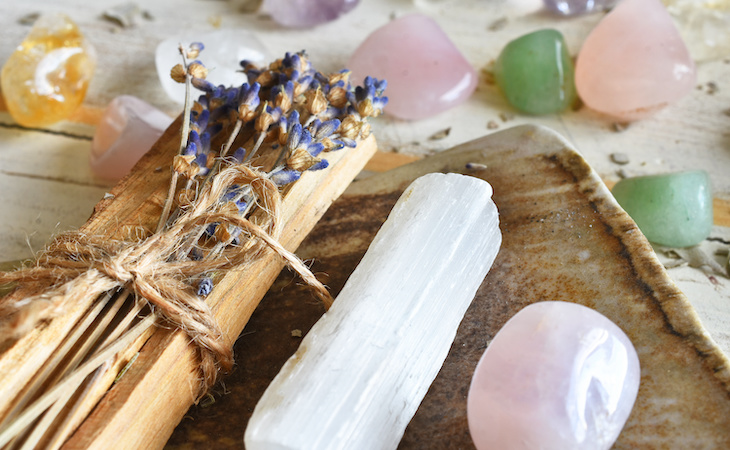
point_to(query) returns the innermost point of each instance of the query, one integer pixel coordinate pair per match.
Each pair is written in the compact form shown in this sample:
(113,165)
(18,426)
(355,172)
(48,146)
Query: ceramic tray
(565,238)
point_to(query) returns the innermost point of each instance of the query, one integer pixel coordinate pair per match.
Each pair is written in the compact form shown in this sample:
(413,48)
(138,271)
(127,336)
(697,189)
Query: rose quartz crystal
(634,62)
(425,71)
(557,376)
(126,131)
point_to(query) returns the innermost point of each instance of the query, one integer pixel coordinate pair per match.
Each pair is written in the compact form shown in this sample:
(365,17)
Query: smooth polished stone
(634,62)
(223,52)
(425,71)
(46,77)
(307,13)
(535,73)
(576,7)
(557,376)
(365,366)
(127,130)
(670,209)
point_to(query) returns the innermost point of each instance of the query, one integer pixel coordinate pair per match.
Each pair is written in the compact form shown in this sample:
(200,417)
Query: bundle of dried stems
(114,331)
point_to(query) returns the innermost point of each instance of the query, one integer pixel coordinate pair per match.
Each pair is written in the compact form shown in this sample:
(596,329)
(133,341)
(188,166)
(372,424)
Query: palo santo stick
(142,409)
(363,369)
(131,210)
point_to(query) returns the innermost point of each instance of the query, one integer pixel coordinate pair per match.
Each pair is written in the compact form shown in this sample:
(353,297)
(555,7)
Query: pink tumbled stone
(634,62)
(126,131)
(425,71)
(557,376)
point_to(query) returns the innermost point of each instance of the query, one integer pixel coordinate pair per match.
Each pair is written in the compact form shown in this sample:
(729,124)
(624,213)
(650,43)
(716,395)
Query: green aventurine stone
(673,209)
(535,73)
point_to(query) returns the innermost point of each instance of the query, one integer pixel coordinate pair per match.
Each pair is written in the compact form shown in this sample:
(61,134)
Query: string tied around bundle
(157,269)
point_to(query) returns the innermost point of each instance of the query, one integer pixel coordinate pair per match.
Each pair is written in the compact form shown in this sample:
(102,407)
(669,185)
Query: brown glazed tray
(564,238)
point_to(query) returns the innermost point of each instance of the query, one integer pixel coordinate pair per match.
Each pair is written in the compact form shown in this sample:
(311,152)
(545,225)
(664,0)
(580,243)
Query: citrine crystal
(535,72)
(46,78)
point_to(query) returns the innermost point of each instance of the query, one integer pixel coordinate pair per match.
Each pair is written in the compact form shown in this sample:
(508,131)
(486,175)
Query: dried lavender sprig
(188,71)
(289,88)
(300,141)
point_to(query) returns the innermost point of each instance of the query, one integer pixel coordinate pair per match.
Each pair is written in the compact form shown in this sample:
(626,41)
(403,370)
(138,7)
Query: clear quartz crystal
(224,50)
(363,369)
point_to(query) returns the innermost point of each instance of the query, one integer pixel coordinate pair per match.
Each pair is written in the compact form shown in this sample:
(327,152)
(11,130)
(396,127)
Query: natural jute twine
(76,266)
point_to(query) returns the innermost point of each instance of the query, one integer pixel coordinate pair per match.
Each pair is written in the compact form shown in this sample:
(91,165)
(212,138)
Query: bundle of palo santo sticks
(118,327)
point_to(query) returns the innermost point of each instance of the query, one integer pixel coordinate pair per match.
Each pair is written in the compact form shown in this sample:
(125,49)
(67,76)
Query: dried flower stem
(184,132)
(256,146)
(62,429)
(46,422)
(30,414)
(44,377)
(70,355)
(224,150)
(229,143)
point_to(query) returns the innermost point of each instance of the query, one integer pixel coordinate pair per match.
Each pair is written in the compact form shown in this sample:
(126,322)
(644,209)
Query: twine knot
(158,269)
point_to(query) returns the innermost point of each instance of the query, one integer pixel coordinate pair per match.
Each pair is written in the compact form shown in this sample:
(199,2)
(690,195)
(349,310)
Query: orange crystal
(46,78)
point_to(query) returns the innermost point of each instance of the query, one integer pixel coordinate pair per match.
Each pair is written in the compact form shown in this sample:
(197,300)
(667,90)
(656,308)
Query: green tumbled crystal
(535,73)
(673,209)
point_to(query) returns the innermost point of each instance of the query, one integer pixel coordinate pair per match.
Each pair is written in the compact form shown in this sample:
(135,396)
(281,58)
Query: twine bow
(76,265)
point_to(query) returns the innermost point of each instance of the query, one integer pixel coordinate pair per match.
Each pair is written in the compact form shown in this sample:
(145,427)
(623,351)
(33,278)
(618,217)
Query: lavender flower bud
(177,73)
(197,70)
(205,287)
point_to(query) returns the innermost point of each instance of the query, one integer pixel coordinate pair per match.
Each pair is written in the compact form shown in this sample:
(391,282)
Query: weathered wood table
(48,187)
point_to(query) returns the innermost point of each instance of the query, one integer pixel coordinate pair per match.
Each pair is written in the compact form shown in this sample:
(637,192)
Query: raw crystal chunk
(557,376)
(224,50)
(575,7)
(363,369)
(307,13)
(535,73)
(126,131)
(425,71)
(46,78)
(634,62)
(670,209)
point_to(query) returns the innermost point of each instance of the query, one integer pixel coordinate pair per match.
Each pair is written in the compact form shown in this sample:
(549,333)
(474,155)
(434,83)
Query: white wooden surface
(47,186)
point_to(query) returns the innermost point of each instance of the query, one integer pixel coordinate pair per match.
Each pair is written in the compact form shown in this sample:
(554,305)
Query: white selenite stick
(362,370)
